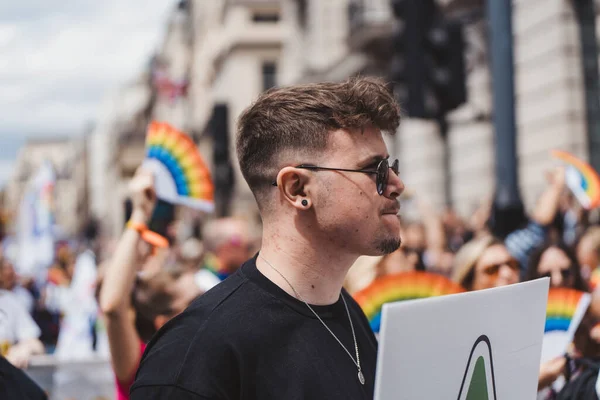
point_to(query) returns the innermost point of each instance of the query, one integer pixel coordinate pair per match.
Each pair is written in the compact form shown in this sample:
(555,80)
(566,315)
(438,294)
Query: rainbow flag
(181,176)
(564,312)
(399,287)
(582,179)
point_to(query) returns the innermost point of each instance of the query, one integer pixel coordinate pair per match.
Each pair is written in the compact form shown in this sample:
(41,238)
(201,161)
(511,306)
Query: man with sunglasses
(282,327)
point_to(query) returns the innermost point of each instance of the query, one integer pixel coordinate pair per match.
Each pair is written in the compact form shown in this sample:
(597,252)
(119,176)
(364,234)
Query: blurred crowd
(559,239)
(109,297)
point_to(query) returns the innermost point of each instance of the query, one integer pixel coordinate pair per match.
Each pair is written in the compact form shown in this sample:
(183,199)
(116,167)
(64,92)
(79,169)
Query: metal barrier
(84,379)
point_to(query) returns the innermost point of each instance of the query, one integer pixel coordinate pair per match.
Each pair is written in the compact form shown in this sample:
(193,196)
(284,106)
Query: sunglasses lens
(492,270)
(382,176)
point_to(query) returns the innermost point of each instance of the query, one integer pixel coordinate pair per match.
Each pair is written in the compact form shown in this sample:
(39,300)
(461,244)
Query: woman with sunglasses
(484,263)
(558,262)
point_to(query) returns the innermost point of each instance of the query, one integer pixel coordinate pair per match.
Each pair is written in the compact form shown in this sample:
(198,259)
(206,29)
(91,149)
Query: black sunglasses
(566,274)
(494,269)
(382,172)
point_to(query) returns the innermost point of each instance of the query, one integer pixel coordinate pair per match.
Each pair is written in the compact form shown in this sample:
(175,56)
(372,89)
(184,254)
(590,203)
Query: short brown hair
(301,117)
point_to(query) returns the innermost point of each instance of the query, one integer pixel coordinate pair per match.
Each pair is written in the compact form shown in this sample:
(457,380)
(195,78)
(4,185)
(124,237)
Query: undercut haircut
(300,118)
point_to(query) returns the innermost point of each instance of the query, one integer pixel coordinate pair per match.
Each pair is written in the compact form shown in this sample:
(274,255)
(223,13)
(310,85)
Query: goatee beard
(389,246)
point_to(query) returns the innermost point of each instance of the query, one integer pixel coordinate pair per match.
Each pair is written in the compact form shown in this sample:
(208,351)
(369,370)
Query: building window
(269,75)
(265,17)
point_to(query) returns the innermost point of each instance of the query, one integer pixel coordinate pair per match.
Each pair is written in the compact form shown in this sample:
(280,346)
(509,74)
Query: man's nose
(394,187)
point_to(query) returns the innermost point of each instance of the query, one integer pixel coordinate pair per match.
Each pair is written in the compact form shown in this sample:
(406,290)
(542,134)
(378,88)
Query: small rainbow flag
(181,176)
(564,312)
(582,179)
(561,309)
(399,287)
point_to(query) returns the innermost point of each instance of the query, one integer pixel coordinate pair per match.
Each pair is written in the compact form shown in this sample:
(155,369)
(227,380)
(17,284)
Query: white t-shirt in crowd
(24,297)
(15,322)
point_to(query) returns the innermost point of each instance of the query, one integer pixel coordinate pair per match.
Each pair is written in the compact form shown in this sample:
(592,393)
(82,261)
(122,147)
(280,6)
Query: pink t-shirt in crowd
(123,387)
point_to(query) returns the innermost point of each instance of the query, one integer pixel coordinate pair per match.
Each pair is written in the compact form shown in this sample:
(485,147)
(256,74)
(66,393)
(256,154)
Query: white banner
(35,224)
(483,345)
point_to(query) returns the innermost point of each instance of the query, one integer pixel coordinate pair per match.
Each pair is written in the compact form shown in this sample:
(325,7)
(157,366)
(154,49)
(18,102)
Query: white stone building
(548,85)
(231,50)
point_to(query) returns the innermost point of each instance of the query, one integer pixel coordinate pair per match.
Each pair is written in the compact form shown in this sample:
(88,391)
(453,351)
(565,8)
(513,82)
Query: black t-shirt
(15,384)
(248,339)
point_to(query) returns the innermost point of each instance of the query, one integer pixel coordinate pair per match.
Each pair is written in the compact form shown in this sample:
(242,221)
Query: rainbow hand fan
(582,179)
(398,287)
(181,177)
(564,312)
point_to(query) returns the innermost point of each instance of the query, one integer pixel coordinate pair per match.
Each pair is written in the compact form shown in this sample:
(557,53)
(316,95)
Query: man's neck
(314,270)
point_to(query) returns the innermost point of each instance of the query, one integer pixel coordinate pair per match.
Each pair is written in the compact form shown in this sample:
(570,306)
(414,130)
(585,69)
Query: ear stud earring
(304,202)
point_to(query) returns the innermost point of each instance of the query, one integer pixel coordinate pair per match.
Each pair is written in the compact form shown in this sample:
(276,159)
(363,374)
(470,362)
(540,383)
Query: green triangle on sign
(478,382)
(478,389)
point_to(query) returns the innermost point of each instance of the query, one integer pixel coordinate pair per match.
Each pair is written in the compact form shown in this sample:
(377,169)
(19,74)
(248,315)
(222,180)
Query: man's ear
(295,186)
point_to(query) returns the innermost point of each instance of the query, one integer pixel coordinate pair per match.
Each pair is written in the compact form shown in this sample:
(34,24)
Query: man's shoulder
(206,313)
(198,351)
(201,337)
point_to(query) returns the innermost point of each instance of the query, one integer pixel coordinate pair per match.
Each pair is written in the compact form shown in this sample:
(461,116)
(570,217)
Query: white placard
(477,345)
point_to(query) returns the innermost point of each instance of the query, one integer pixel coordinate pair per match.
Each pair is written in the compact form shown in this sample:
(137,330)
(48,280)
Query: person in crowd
(9,281)
(137,303)
(228,245)
(522,242)
(18,332)
(484,263)
(396,262)
(362,273)
(366,269)
(477,223)
(415,243)
(79,311)
(455,229)
(588,251)
(191,253)
(424,241)
(282,327)
(580,368)
(558,262)
(61,272)
(54,295)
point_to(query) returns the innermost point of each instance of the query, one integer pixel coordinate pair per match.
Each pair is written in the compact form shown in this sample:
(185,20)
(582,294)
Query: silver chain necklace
(361,377)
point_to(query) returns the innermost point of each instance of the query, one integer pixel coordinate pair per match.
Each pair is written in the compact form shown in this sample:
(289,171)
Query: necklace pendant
(361,377)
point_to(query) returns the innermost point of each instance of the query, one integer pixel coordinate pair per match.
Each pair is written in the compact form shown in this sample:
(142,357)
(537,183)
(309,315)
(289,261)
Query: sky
(60,58)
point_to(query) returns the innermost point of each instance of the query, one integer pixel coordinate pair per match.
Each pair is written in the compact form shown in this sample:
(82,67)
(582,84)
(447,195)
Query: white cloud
(59,58)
